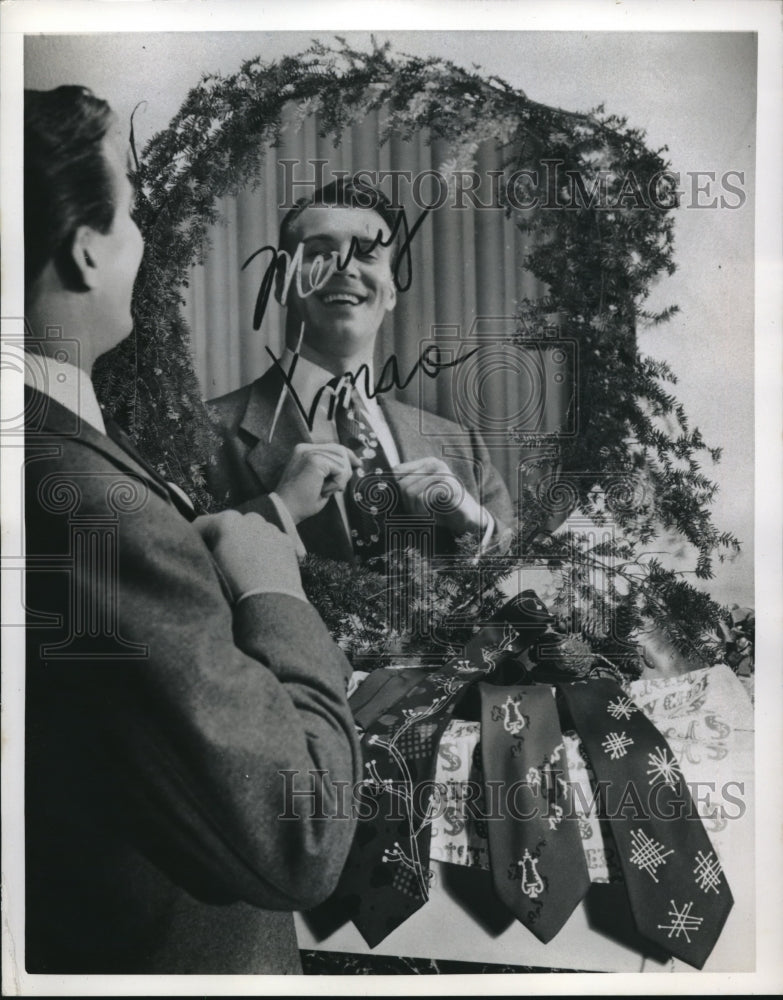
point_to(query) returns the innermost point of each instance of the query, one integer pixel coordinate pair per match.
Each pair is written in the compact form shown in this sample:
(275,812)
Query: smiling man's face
(343,316)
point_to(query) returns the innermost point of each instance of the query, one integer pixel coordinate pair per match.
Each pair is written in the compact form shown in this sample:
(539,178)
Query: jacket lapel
(324,532)
(268,458)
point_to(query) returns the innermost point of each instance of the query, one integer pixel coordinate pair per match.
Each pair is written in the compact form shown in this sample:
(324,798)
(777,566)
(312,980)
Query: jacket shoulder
(431,423)
(230,408)
(410,423)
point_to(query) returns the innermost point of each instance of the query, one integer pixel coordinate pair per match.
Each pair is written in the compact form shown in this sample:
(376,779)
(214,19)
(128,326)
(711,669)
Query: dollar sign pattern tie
(679,896)
(535,850)
(372,492)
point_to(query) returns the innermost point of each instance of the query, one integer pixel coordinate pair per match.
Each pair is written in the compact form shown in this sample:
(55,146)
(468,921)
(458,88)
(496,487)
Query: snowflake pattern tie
(535,850)
(679,896)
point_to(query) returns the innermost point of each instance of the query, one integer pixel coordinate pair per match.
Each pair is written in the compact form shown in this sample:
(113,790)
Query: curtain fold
(466,284)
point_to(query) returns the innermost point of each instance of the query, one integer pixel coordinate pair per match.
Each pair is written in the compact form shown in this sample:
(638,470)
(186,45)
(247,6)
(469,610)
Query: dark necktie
(678,893)
(372,493)
(120,438)
(535,849)
(387,876)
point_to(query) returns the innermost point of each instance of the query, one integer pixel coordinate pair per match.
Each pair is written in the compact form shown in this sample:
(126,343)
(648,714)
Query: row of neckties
(676,888)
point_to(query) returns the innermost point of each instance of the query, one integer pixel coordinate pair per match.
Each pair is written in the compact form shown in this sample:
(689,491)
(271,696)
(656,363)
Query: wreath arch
(603,227)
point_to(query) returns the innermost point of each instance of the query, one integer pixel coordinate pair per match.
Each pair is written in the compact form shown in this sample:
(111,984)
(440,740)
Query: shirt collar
(67,385)
(309,377)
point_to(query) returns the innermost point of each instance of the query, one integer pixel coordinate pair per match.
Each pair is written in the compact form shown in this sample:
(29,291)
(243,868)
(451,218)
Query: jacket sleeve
(227,734)
(228,477)
(260,745)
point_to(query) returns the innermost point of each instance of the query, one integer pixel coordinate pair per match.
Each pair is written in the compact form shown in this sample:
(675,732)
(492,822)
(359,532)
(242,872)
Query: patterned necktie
(387,875)
(372,492)
(678,893)
(535,850)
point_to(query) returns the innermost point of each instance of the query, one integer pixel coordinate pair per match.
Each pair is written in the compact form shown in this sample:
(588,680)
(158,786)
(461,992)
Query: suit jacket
(158,721)
(247,466)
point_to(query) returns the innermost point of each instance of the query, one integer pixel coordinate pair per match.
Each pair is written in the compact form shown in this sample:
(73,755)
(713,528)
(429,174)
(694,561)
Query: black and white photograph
(391,498)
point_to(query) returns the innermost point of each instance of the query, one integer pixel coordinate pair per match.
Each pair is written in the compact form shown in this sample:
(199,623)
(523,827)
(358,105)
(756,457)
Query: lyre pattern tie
(678,893)
(538,866)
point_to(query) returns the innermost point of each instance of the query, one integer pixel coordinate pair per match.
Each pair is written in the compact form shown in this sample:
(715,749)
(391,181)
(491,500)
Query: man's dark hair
(67,181)
(350,192)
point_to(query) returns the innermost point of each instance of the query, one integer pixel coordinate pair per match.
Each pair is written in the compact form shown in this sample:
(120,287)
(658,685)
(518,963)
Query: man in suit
(186,720)
(312,439)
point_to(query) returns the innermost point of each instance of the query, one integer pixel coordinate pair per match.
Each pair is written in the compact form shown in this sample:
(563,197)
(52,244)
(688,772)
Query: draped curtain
(465,271)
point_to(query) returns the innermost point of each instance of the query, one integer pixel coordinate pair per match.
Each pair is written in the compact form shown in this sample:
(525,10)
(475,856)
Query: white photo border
(761,16)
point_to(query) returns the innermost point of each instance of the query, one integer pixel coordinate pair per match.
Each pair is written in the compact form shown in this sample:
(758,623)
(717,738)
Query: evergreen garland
(598,262)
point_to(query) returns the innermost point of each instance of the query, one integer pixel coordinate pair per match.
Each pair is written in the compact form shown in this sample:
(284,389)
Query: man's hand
(252,554)
(429,486)
(313,473)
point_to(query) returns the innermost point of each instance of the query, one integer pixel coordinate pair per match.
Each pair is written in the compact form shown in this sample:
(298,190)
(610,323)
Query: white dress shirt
(306,380)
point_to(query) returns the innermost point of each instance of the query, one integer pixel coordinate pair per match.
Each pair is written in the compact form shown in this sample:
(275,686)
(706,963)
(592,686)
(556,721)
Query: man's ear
(391,299)
(86,255)
(279,277)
